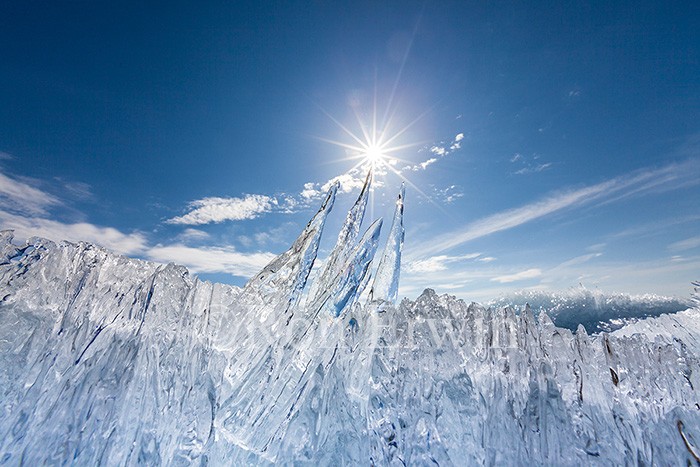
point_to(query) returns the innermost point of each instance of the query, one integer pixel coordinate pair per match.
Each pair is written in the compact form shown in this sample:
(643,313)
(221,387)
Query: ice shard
(386,280)
(348,284)
(344,245)
(288,272)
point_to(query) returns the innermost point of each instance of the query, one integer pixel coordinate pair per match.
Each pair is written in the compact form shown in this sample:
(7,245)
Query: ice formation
(106,360)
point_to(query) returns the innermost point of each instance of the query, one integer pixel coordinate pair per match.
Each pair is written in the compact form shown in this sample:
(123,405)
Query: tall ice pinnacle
(287,273)
(386,281)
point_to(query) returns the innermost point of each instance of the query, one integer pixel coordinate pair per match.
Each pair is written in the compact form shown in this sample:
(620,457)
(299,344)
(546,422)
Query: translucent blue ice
(106,360)
(386,281)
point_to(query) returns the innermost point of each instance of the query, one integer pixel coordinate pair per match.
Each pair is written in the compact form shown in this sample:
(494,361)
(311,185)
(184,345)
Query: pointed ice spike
(344,245)
(288,272)
(386,280)
(347,285)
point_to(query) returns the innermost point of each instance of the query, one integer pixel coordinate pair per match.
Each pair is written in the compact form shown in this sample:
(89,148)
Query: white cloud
(108,237)
(211,259)
(486,259)
(516,157)
(208,210)
(309,192)
(424,164)
(527,274)
(19,196)
(435,263)
(459,137)
(351,181)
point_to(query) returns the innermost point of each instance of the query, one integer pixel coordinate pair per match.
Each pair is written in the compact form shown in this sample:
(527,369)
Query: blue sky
(545,144)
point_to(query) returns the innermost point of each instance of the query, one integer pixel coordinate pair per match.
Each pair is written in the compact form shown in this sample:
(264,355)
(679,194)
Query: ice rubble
(111,360)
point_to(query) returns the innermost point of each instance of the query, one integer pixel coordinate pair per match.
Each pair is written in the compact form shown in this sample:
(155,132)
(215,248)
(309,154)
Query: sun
(373,155)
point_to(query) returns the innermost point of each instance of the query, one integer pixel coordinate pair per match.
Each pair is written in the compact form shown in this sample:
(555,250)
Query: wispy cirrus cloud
(529,164)
(687,244)
(533,169)
(18,196)
(673,175)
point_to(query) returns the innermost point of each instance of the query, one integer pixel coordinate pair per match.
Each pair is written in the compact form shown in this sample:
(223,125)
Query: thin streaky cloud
(578,260)
(652,229)
(437,263)
(486,259)
(538,168)
(19,196)
(687,244)
(514,217)
(522,275)
(682,175)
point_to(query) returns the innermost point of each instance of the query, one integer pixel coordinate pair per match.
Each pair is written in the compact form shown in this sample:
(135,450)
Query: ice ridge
(106,360)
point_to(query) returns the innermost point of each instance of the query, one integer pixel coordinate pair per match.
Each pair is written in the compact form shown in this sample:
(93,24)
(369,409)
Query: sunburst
(376,146)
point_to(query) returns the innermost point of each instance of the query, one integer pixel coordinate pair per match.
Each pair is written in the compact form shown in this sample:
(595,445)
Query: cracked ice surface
(115,361)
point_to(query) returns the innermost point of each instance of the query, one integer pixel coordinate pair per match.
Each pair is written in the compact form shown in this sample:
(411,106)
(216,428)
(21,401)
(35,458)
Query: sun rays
(377,147)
